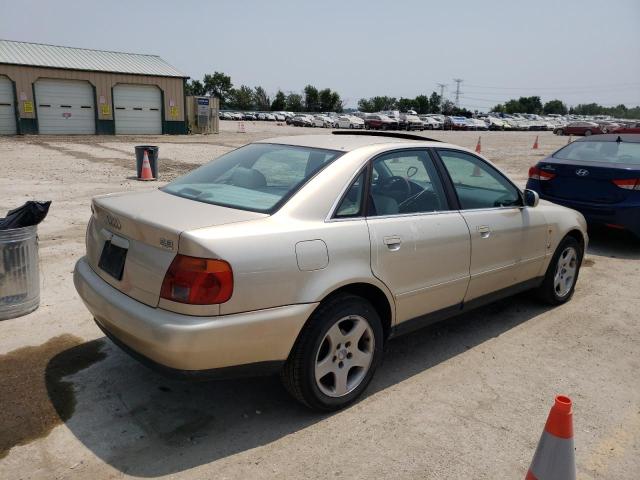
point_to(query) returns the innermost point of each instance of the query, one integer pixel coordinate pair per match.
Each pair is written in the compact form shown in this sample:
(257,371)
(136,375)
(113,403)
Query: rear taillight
(628,183)
(536,173)
(197,281)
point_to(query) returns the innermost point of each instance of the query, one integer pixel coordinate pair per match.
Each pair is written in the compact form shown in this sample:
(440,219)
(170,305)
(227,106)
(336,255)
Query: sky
(578,51)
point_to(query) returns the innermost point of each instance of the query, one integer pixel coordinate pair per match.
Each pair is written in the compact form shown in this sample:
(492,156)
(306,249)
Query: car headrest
(248,178)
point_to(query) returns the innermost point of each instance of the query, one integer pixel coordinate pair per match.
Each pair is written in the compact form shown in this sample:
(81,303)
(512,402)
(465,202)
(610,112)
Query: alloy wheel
(344,356)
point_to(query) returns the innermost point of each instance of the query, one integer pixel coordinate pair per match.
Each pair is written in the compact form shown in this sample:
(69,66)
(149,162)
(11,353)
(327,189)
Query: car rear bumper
(614,215)
(216,346)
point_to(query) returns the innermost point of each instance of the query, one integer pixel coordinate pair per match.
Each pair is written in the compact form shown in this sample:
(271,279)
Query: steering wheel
(397,184)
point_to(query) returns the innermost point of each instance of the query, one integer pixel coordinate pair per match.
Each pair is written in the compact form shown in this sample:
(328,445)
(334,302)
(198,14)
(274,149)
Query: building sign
(66,114)
(172,103)
(23,96)
(106,110)
(173,112)
(27,106)
(203,107)
(102,100)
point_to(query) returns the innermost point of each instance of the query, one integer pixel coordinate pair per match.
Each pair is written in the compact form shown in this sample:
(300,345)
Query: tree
(261,99)
(555,107)
(405,104)
(337,105)
(435,103)
(530,104)
(421,104)
(294,102)
(499,108)
(325,100)
(195,87)
(311,99)
(279,101)
(218,85)
(241,98)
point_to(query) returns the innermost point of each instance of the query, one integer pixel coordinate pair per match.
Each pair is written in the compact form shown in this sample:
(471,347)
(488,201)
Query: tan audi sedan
(303,255)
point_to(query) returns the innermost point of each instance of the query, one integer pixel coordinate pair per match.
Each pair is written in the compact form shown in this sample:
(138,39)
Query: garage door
(7,108)
(138,109)
(65,107)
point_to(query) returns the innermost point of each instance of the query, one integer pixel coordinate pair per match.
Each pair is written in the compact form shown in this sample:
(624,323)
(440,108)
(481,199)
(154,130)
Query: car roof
(611,137)
(343,143)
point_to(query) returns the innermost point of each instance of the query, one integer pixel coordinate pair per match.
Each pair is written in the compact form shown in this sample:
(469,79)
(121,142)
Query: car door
(420,246)
(508,240)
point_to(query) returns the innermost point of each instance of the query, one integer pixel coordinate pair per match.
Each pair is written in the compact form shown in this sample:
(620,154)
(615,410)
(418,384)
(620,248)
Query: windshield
(258,177)
(599,151)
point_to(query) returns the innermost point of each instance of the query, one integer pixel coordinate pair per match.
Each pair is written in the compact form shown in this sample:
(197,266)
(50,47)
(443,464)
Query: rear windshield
(598,151)
(258,177)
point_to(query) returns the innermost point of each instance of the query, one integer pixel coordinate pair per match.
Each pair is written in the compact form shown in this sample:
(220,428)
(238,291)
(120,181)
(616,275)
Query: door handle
(393,242)
(484,231)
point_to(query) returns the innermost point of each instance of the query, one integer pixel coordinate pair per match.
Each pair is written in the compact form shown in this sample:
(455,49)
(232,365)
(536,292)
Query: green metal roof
(70,58)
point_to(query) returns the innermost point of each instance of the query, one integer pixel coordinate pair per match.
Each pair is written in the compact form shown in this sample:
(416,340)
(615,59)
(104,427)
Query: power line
(558,88)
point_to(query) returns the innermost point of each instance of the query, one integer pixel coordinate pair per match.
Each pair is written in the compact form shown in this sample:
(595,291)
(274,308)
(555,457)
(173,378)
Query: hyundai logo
(114,222)
(581,172)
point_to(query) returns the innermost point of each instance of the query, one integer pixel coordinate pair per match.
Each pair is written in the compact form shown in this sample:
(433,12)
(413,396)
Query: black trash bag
(31,213)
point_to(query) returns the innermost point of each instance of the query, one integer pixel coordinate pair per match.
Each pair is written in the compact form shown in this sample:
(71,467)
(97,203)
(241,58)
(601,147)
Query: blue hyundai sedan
(597,175)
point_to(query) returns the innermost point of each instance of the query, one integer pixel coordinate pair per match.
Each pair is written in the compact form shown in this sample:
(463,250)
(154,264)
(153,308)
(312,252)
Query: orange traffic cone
(554,457)
(535,144)
(478,146)
(146,173)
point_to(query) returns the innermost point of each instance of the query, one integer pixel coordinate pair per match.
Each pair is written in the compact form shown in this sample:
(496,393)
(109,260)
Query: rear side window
(477,184)
(351,204)
(599,151)
(257,177)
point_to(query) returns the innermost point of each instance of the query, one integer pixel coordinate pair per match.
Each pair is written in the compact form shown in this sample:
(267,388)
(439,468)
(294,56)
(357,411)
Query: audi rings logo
(581,172)
(114,222)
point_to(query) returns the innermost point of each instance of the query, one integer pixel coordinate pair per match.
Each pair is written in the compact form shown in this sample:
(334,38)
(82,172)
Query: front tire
(335,355)
(562,274)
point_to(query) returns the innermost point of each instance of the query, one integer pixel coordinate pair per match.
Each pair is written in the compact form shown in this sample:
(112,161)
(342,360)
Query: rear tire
(562,273)
(331,342)
(560,132)
(587,133)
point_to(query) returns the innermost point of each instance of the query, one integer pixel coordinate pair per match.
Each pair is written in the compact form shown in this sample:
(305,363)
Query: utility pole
(458,92)
(442,87)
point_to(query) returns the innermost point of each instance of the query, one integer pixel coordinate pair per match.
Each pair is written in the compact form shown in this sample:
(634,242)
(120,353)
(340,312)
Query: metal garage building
(62,90)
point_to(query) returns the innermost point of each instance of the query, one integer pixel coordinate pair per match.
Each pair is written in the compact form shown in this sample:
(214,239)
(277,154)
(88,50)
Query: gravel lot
(464,399)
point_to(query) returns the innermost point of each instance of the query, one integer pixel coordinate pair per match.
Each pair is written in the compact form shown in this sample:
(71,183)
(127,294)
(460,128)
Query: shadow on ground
(607,242)
(146,425)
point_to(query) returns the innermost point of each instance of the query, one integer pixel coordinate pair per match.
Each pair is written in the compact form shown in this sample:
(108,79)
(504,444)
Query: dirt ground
(464,399)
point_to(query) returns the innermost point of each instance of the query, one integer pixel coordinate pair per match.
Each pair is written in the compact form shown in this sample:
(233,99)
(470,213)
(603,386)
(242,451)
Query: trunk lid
(147,226)
(586,181)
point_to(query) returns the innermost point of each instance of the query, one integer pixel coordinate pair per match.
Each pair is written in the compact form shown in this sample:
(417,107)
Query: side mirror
(531,198)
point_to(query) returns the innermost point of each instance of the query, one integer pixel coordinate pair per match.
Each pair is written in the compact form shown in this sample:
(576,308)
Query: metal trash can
(152,152)
(19,272)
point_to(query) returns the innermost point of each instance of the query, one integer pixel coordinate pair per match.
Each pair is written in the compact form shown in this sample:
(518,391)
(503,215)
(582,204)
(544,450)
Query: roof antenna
(618,140)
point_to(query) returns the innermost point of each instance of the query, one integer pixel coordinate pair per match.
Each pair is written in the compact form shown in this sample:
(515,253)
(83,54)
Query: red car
(380,122)
(579,128)
(629,128)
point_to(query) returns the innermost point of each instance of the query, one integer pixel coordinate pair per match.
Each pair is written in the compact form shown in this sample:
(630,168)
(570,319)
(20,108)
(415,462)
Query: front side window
(258,177)
(477,184)
(405,182)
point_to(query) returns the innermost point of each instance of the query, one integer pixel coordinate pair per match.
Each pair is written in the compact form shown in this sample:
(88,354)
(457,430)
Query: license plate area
(113,257)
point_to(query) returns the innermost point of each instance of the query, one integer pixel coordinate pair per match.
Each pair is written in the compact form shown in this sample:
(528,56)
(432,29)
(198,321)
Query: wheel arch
(381,301)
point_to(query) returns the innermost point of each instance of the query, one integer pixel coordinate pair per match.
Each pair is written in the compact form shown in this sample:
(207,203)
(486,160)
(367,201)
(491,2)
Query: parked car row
(410,120)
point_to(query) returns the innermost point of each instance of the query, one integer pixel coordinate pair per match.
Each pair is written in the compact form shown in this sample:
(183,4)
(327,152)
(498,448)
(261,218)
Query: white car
(279,117)
(304,255)
(348,121)
(322,121)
